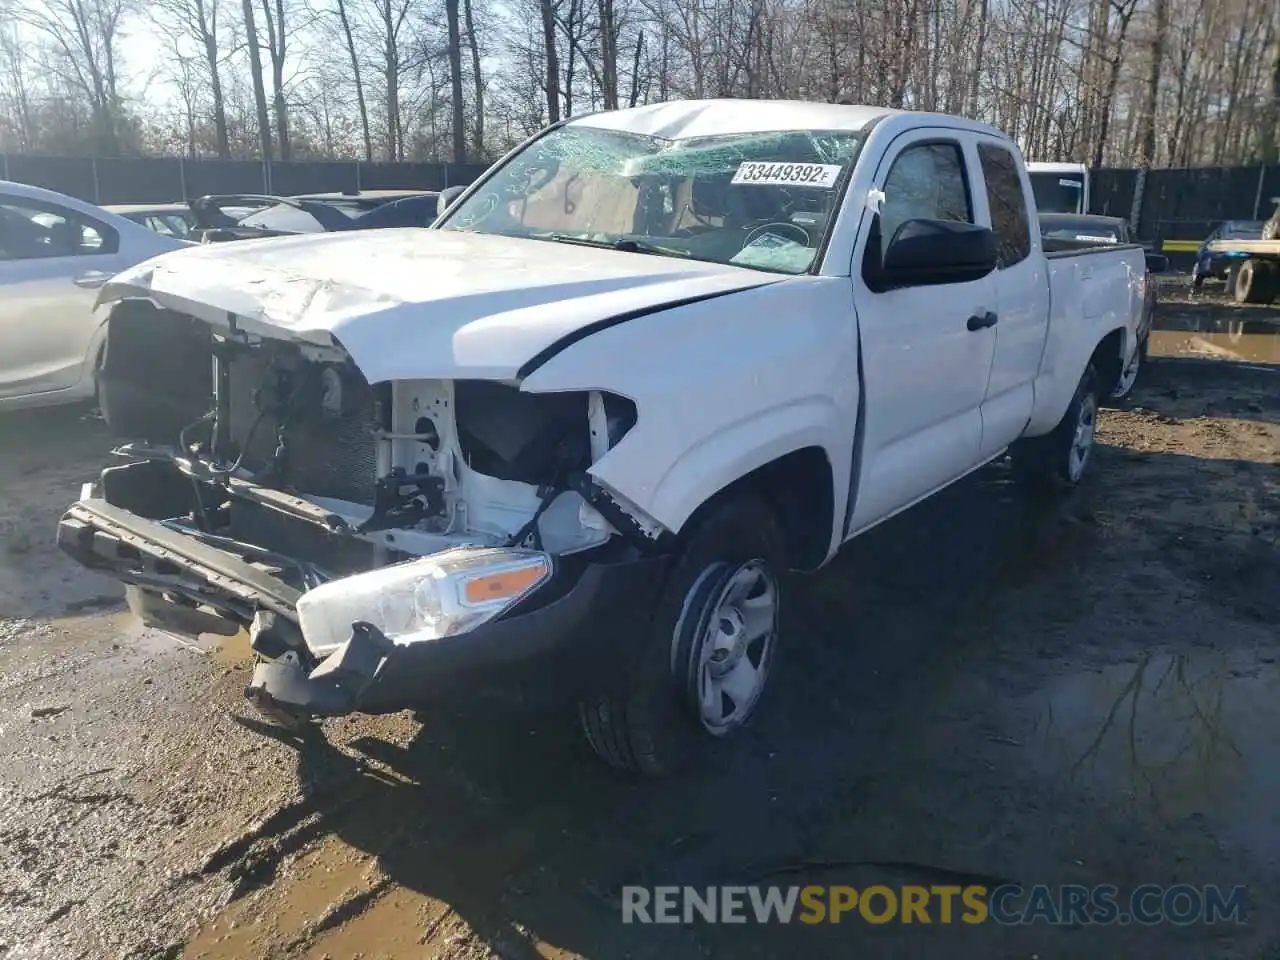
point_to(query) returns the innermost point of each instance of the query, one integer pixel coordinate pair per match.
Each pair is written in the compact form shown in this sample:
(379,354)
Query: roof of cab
(709,118)
(680,119)
(1040,166)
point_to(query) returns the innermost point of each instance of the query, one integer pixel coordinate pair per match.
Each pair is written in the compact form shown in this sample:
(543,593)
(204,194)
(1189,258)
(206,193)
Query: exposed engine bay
(284,445)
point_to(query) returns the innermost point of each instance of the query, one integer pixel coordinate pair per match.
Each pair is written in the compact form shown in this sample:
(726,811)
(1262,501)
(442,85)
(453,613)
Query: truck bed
(1097,288)
(1262,249)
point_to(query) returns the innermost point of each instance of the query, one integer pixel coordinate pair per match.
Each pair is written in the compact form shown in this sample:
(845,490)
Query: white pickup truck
(651,360)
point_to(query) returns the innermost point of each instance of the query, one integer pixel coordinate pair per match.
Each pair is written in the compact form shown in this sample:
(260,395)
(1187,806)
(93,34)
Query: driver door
(926,350)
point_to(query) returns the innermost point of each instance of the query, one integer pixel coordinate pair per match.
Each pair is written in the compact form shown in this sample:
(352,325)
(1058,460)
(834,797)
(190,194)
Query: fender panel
(722,387)
(713,464)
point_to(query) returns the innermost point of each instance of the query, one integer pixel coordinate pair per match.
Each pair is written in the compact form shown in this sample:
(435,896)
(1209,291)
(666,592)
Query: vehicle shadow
(498,811)
(501,813)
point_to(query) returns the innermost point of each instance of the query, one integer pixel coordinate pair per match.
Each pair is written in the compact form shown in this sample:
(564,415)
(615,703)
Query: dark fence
(165,179)
(1182,206)
(1178,206)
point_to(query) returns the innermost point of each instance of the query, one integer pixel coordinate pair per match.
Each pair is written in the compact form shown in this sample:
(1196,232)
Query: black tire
(1130,374)
(1046,463)
(647,721)
(1253,283)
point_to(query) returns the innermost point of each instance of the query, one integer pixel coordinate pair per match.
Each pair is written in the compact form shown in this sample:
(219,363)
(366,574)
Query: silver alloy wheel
(733,654)
(1130,375)
(1082,440)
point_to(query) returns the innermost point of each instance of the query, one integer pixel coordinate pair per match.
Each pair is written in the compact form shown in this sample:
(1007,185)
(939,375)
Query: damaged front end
(375,539)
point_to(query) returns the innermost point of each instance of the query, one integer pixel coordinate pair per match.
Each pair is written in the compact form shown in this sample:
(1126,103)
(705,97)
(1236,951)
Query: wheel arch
(1108,359)
(799,487)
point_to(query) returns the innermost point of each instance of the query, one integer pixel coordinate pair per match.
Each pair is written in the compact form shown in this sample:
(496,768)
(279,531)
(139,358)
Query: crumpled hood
(417,303)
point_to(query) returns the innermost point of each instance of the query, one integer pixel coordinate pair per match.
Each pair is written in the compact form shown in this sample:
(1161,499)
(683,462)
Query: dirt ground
(986,687)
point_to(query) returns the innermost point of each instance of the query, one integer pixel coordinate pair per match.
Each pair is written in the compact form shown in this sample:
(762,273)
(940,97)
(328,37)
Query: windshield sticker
(1093,239)
(1070,183)
(788,174)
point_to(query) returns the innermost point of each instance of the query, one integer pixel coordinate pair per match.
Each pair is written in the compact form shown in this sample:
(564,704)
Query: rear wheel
(708,653)
(1129,376)
(1254,282)
(1060,459)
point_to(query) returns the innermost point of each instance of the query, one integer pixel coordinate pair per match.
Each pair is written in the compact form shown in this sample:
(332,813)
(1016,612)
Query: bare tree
(455,82)
(477,78)
(348,36)
(84,36)
(277,26)
(547,10)
(259,87)
(196,21)
(19,128)
(390,15)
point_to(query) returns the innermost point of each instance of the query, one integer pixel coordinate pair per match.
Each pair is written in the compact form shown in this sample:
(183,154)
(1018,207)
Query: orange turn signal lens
(503,584)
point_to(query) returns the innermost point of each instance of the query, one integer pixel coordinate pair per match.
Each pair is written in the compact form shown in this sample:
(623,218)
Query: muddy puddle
(1185,331)
(1175,738)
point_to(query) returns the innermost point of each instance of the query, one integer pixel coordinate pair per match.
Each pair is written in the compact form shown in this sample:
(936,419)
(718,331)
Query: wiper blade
(625,244)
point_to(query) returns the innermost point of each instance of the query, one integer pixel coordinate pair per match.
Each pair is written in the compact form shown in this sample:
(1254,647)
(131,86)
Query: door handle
(982,321)
(92,279)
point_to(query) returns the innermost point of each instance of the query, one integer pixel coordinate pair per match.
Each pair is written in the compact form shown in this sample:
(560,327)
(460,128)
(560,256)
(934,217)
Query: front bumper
(592,611)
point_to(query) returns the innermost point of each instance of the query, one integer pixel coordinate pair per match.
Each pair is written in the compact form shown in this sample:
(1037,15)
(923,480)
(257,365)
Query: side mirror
(446,197)
(931,252)
(1157,263)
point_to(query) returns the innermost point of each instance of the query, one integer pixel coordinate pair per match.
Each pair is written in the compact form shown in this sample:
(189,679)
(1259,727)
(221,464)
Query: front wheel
(1060,458)
(709,651)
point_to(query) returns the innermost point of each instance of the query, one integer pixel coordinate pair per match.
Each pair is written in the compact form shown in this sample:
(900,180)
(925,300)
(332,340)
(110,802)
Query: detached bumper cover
(596,612)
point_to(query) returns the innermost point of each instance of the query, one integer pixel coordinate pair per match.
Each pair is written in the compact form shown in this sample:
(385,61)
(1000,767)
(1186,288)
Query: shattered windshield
(763,200)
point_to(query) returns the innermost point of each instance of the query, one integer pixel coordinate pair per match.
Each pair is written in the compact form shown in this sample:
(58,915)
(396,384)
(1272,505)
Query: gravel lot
(987,687)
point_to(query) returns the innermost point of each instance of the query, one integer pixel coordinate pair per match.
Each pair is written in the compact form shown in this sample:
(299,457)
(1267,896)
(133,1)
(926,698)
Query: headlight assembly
(442,595)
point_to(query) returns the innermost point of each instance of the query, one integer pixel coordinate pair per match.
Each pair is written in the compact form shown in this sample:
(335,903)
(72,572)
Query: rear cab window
(1008,203)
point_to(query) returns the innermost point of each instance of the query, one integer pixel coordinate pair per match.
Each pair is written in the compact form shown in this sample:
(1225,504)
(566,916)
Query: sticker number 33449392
(788,174)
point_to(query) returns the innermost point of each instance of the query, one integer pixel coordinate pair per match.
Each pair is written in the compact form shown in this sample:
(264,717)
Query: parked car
(661,355)
(1217,266)
(55,252)
(250,216)
(1061,231)
(1060,187)
(168,219)
(1084,229)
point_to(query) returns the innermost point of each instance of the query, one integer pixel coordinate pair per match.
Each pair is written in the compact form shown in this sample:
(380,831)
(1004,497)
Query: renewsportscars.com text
(1065,904)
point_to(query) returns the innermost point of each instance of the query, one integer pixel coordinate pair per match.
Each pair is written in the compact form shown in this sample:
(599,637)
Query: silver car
(55,252)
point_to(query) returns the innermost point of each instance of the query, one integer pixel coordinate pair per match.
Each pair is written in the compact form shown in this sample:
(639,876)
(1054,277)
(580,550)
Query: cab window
(1008,204)
(927,181)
